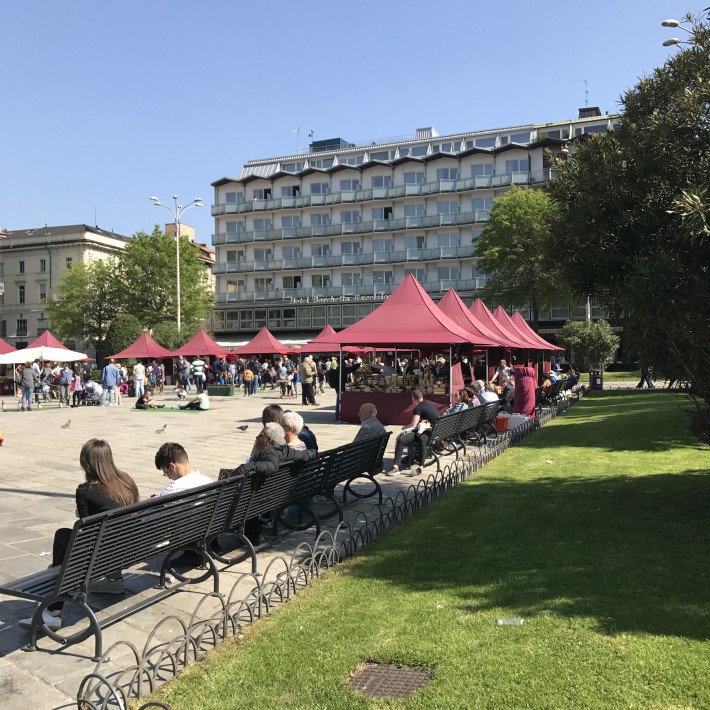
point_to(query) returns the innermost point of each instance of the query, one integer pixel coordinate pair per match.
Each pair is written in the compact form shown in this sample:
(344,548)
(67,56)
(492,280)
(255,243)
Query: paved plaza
(39,473)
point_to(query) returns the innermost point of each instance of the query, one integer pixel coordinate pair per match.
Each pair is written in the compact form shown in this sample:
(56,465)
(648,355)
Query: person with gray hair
(485,394)
(292,423)
(370,425)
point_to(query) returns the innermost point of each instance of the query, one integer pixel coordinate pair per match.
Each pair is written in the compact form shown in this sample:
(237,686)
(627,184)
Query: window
(234,227)
(419,151)
(349,314)
(263,284)
(321,219)
(2,268)
(447,174)
(234,286)
(259,317)
(382,245)
(350,216)
(292,167)
(447,206)
(334,316)
(20,294)
(382,155)
(3,329)
(351,248)
(382,181)
(380,278)
(262,193)
(349,185)
(292,281)
(419,274)
(482,169)
(520,138)
(447,239)
(475,234)
(323,164)
(232,197)
(304,316)
(486,142)
(289,317)
(22,267)
(351,278)
(352,160)
(290,191)
(448,273)
(320,280)
(414,241)
(416,210)
(261,225)
(21,326)
(274,318)
(235,255)
(381,213)
(414,178)
(481,204)
(42,292)
(68,262)
(290,222)
(291,252)
(516,166)
(595,129)
(263,254)
(454,147)
(319,188)
(245,319)
(320,249)
(318,316)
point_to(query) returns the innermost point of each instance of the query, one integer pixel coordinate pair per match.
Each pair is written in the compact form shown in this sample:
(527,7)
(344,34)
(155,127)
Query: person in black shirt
(424,412)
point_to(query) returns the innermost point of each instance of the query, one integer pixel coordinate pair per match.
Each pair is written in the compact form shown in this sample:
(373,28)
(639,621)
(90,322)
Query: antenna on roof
(298,130)
(96,224)
(586,92)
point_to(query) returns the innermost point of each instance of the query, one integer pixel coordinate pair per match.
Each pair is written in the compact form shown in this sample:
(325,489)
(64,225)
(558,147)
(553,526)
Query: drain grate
(382,680)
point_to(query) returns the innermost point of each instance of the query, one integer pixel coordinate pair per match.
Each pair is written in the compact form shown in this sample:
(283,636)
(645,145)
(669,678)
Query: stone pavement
(39,472)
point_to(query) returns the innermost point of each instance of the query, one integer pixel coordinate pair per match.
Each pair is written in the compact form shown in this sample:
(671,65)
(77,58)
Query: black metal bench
(479,426)
(443,439)
(550,396)
(120,538)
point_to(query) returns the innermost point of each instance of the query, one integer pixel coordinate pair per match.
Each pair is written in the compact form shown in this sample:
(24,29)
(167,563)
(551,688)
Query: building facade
(204,253)
(32,263)
(324,237)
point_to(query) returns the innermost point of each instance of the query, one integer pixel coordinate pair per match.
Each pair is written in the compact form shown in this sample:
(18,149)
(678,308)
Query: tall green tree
(592,344)
(515,251)
(87,302)
(124,330)
(148,272)
(635,212)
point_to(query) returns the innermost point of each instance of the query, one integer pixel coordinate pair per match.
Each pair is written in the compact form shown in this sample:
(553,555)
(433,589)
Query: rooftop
(62,230)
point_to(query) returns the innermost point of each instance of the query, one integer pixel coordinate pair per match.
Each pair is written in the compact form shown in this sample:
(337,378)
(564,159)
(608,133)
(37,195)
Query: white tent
(42,352)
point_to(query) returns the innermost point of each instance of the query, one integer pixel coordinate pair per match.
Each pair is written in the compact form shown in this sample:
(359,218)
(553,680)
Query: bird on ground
(243,427)
(162,429)
(67,425)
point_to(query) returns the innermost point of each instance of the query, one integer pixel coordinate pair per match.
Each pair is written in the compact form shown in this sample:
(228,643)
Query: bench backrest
(471,418)
(358,457)
(446,427)
(490,412)
(119,538)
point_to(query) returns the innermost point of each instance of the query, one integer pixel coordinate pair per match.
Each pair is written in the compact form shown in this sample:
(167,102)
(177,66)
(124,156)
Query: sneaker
(108,586)
(50,619)
(394,471)
(416,471)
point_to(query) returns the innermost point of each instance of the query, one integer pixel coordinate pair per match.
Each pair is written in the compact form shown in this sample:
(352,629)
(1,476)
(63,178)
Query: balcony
(336,260)
(399,224)
(437,287)
(480,182)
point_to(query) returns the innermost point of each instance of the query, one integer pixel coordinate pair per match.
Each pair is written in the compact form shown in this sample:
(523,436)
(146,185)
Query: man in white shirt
(139,379)
(172,460)
(202,401)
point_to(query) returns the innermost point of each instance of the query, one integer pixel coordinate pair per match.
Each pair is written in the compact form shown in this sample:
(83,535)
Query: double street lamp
(177,212)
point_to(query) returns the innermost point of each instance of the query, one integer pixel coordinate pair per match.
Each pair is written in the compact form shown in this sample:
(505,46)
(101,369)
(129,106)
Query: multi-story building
(32,262)
(205,255)
(323,237)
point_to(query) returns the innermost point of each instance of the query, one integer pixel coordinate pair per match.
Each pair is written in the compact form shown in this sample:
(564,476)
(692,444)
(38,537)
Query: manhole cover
(381,680)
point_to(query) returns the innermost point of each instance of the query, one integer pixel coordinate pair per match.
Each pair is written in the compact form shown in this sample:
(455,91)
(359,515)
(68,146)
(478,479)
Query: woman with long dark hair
(105,488)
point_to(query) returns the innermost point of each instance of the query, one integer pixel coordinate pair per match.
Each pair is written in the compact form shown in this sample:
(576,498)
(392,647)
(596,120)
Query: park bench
(443,439)
(296,484)
(550,396)
(478,426)
(121,538)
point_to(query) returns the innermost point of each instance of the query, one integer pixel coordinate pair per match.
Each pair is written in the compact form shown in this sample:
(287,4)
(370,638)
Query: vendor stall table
(392,407)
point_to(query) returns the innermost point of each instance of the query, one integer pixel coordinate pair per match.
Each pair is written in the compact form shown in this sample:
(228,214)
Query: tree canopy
(592,344)
(635,212)
(515,251)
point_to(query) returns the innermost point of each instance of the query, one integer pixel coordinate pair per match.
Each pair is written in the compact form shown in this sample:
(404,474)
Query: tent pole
(339,391)
(451,368)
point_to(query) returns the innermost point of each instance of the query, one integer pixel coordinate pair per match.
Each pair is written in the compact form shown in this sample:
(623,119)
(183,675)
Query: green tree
(592,344)
(166,333)
(87,302)
(124,330)
(515,251)
(635,213)
(148,271)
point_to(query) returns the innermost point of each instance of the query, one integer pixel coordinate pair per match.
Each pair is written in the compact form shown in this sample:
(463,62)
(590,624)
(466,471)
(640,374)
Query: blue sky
(105,103)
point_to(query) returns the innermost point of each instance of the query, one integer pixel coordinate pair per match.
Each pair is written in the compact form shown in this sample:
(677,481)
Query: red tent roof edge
(452,306)
(524,326)
(143,347)
(502,317)
(511,339)
(201,344)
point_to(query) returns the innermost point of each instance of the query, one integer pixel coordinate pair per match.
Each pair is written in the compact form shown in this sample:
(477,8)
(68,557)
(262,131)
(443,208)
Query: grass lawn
(624,376)
(595,530)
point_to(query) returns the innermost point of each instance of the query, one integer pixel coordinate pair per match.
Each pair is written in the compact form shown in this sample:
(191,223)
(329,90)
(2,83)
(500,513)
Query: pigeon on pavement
(162,429)
(67,425)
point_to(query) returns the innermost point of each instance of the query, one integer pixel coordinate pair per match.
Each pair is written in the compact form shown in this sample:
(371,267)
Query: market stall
(408,320)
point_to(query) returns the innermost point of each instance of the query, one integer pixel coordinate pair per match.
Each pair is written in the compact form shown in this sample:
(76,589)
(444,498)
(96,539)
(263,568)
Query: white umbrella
(43,352)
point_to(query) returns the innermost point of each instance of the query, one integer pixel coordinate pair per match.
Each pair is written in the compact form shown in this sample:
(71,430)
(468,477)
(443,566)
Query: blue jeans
(26,397)
(199,380)
(111,391)
(255,384)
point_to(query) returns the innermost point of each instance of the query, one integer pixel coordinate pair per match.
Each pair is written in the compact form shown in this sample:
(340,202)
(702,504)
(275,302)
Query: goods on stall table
(364,380)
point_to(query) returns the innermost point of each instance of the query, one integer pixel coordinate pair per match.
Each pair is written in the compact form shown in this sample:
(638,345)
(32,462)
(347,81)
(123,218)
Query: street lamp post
(177,212)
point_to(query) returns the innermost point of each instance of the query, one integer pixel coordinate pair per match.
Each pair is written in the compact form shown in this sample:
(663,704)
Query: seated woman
(105,488)
(463,401)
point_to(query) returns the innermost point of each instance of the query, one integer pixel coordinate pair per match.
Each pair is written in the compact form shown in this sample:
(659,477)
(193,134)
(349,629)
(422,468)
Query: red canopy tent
(263,343)
(506,321)
(201,344)
(322,343)
(484,316)
(47,340)
(408,317)
(523,327)
(452,306)
(143,347)
(6,347)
